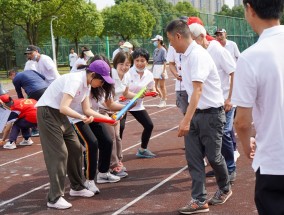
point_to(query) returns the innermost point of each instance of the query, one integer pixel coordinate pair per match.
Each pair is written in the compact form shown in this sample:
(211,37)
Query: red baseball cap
(194,19)
(5,98)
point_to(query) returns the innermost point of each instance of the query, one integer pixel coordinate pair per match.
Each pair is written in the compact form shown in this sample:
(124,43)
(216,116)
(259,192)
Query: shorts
(157,72)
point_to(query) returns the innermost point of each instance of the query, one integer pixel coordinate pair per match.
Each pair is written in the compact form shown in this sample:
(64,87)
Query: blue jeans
(227,142)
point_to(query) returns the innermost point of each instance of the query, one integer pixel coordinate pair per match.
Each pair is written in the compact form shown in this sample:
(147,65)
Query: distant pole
(52,40)
(107,47)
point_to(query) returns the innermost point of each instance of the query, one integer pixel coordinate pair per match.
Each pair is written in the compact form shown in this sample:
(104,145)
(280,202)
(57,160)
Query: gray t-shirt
(159,56)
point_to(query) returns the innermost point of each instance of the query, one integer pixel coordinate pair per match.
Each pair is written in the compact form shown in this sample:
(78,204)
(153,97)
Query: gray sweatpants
(62,151)
(205,139)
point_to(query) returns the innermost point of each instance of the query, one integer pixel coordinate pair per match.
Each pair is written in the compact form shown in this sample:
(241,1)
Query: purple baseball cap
(102,68)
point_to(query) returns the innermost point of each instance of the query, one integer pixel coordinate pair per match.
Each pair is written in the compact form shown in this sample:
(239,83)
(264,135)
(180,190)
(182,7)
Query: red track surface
(154,186)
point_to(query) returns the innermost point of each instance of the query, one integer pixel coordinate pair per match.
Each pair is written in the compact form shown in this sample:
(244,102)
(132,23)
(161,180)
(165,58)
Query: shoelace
(218,194)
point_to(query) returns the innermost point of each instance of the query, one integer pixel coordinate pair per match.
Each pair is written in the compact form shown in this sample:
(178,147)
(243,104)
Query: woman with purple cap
(68,96)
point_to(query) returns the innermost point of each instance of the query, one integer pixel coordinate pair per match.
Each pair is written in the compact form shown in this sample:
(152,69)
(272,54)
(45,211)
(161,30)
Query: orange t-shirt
(27,109)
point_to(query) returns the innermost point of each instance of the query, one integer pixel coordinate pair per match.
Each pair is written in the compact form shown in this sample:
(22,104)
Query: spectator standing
(204,120)
(258,94)
(45,65)
(120,43)
(85,55)
(72,58)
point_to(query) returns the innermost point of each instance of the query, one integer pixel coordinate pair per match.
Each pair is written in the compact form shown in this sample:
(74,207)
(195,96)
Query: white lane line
(157,135)
(149,191)
(42,186)
(20,158)
(22,195)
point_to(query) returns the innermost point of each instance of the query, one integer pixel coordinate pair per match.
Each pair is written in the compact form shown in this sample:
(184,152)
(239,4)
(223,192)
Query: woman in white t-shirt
(67,96)
(79,64)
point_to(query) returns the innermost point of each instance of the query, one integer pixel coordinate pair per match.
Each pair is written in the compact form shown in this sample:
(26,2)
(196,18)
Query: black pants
(269,194)
(144,119)
(94,136)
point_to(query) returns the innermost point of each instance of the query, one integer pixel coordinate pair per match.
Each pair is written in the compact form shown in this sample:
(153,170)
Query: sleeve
(71,87)
(228,63)
(18,87)
(170,54)
(245,85)
(236,51)
(200,67)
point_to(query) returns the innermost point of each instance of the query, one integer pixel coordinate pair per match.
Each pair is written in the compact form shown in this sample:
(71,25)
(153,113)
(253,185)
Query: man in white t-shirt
(204,120)
(45,64)
(258,93)
(226,66)
(231,46)
(72,58)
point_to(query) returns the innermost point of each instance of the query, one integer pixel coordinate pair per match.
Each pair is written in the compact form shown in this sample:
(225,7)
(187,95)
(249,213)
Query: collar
(190,48)
(268,32)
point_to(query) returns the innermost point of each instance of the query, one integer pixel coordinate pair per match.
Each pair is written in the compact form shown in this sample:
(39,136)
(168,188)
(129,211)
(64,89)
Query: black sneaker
(232,177)
(220,197)
(210,174)
(195,206)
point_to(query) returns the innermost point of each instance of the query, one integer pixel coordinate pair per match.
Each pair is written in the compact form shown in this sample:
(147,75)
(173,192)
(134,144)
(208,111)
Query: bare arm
(112,105)
(243,122)
(185,122)
(228,105)
(173,69)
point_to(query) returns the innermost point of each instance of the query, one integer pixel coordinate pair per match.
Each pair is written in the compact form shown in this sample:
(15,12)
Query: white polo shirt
(72,58)
(119,85)
(197,65)
(79,61)
(47,68)
(259,84)
(174,57)
(225,64)
(232,47)
(74,84)
(136,84)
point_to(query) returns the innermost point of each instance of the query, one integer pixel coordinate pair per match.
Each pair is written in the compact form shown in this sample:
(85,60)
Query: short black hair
(266,9)
(140,52)
(178,26)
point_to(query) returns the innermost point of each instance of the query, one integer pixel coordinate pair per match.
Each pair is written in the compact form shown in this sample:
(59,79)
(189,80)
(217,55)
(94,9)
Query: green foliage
(128,20)
(185,9)
(236,11)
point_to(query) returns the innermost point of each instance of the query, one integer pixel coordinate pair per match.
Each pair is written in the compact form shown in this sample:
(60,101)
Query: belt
(210,110)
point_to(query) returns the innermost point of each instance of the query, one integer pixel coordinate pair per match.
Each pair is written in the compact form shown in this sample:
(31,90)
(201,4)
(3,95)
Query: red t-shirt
(26,109)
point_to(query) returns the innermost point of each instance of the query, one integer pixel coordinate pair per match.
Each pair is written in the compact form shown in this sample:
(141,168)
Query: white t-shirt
(72,58)
(74,84)
(47,68)
(31,65)
(232,47)
(173,56)
(225,64)
(136,84)
(79,61)
(119,85)
(199,66)
(259,84)
(115,52)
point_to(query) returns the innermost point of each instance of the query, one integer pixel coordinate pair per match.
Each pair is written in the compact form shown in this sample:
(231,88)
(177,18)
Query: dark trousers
(269,194)
(144,119)
(24,126)
(95,136)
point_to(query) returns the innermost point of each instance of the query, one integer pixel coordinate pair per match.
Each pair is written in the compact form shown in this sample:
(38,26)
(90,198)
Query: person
(121,65)
(174,59)
(226,66)
(85,55)
(141,77)
(96,135)
(159,69)
(31,64)
(32,82)
(258,94)
(72,58)
(126,47)
(232,47)
(61,147)
(120,43)
(45,65)
(204,120)
(22,118)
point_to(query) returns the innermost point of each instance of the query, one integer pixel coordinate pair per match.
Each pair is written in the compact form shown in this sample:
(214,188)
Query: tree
(236,11)
(185,9)
(30,14)
(75,24)
(128,20)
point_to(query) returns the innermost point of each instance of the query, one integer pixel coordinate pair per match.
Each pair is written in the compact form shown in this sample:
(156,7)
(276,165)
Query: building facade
(238,2)
(206,6)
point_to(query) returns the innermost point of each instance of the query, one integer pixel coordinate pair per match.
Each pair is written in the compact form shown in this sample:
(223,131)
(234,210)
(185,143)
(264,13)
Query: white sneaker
(82,193)
(107,178)
(236,155)
(27,142)
(162,104)
(60,204)
(10,145)
(90,185)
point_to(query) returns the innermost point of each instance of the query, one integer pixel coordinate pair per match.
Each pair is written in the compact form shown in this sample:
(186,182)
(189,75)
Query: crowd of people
(216,87)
